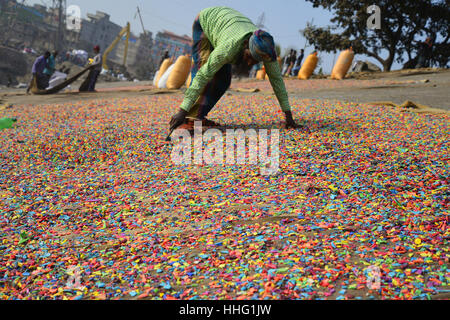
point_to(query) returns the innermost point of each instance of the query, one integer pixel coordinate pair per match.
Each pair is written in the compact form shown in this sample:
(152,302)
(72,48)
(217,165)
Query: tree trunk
(387,65)
(384,63)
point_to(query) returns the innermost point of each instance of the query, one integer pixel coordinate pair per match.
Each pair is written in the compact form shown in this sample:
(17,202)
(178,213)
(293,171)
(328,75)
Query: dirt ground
(426,87)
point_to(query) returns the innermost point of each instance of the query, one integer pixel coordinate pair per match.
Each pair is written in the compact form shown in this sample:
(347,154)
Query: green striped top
(227,30)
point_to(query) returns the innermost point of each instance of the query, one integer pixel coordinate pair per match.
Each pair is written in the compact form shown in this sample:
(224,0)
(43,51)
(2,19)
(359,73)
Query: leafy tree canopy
(403,23)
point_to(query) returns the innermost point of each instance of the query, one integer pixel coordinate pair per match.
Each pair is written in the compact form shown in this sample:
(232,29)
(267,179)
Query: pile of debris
(365,66)
(14,66)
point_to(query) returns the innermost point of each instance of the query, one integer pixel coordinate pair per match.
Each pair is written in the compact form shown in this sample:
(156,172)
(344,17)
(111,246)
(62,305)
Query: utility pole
(60,6)
(58,43)
(148,40)
(140,18)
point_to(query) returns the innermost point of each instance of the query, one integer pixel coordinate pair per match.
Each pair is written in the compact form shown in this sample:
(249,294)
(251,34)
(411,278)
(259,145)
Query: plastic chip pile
(93,208)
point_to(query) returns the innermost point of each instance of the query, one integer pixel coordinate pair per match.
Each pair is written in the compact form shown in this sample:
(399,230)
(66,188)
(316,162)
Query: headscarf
(262,46)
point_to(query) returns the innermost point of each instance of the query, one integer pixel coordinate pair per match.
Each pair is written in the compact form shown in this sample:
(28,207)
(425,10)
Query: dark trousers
(422,62)
(42,81)
(93,76)
(217,87)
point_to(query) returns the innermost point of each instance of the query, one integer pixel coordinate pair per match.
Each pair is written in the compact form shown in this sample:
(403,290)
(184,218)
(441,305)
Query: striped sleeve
(218,58)
(276,80)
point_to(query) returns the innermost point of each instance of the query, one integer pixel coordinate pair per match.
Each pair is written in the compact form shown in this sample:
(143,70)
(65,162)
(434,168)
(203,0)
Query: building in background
(36,27)
(98,29)
(175,44)
(24,26)
(139,60)
(139,49)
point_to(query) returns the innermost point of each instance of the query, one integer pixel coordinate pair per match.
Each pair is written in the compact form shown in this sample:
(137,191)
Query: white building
(97,29)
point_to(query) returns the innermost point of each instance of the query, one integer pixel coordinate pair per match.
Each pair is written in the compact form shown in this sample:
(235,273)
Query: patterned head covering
(262,46)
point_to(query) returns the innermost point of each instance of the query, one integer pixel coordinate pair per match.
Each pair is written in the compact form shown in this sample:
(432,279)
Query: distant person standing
(298,63)
(255,69)
(51,65)
(96,69)
(37,71)
(286,62)
(164,57)
(292,60)
(425,53)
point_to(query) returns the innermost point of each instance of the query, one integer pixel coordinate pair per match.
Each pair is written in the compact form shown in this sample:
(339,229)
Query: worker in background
(223,37)
(51,65)
(255,69)
(96,69)
(298,63)
(37,71)
(425,53)
(292,61)
(286,62)
(164,57)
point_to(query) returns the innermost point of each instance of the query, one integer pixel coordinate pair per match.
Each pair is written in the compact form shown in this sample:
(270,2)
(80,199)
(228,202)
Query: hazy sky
(284,18)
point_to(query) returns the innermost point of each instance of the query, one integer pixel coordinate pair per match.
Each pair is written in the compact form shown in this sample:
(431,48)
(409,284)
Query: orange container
(308,67)
(343,64)
(180,73)
(261,74)
(189,80)
(164,66)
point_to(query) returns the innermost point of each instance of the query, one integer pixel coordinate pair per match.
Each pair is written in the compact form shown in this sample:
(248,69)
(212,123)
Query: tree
(403,23)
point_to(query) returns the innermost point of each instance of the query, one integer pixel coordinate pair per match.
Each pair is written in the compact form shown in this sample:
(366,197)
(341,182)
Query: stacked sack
(171,75)
(308,67)
(261,73)
(164,66)
(179,74)
(343,64)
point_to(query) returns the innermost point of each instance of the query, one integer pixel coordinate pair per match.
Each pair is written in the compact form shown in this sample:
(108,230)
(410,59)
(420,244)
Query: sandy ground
(430,88)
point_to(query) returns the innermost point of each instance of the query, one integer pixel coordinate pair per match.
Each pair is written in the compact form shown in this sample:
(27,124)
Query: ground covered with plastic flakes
(92,206)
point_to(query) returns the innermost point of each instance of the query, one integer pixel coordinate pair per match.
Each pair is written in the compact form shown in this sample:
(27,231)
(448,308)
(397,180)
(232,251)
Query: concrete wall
(99,30)
(138,50)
